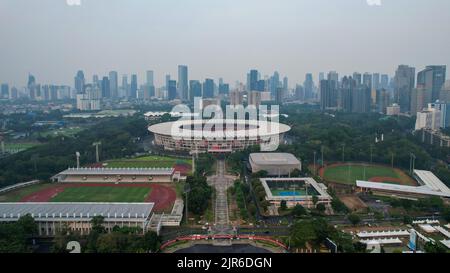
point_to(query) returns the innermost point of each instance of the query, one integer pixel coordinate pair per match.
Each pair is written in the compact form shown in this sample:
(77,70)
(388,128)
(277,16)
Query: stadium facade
(54,217)
(117,175)
(217,136)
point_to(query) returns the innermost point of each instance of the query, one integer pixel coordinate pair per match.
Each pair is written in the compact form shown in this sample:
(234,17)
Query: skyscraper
(32,87)
(195,90)
(404,81)
(106,91)
(150,78)
(183,87)
(357,77)
(133,86)
(172,90)
(4,94)
(253,80)
(125,87)
(384,82)
(420,97)
(80,82)
(328,94)
(376,81)
(367,80)
(208,88)
(433,78)
(333,77)
(274,84)
(114,84)
(308,87)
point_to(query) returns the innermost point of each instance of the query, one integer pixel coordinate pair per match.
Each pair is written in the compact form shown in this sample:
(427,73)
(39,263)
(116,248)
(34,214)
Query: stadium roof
(118,171)
(257,128)
(274,159)
(423,190)
(430,180)
(76,211)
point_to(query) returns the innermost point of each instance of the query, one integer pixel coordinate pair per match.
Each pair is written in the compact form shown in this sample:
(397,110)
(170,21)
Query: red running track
(162,196)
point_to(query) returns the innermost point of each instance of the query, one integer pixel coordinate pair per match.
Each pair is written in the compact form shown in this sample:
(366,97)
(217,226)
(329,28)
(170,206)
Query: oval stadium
(217,135)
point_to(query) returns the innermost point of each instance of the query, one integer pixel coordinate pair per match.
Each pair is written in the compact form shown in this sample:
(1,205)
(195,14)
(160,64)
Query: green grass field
(18,147)
(148,162)
(348,174)
(103,194)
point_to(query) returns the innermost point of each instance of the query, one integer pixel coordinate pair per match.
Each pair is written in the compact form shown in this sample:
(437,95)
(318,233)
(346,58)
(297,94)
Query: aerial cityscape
(298,148)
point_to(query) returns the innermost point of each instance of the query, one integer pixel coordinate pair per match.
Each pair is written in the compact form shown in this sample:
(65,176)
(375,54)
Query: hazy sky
(218,38)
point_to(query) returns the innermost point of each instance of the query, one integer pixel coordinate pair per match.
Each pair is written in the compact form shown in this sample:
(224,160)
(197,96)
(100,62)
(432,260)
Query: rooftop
(118,171)
(13,211)
(431,185)
(274,159)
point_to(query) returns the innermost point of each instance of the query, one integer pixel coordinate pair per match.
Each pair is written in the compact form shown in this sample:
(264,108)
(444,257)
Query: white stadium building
(217,135)
(275,164)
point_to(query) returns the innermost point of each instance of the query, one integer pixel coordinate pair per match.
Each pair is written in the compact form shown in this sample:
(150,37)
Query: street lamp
(96,144)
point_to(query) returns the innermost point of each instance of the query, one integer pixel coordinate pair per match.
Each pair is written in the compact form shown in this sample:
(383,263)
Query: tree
(354,219)
(407,220)
(298,211)
(28,225)
(283,205)
(321,208)
(315,199)
(97,224)
(151,241)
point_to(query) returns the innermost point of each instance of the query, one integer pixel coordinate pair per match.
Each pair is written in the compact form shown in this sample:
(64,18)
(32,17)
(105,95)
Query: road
(221,183)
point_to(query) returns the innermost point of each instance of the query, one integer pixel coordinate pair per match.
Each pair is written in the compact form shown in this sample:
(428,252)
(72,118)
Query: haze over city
(52,40)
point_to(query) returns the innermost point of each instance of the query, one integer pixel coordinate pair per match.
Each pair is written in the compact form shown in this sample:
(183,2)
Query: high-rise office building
(285,84)
(32,87)
(208,88)
(183,86)
(279,98)
(444,95)
(236,98)
(328,94)
(376,81)
(357,77)
(195,90)
(253,80)
(420,97)
(333,77)
(367,80)
(133,87)
(433,78)
(361,99)
(274,83)
(346,90)
(172,90)
(308,87)
(150,78)
(384,81)
(80,82)
(224,88)
(299,93)
(114,84)
(404,81)
(105,86)
(254,98)
(4,93)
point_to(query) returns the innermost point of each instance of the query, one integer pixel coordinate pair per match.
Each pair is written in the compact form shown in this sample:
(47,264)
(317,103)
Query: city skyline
(218,40)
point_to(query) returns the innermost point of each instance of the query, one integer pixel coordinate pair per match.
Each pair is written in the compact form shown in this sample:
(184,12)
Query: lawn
(348,174)
(19,147)
(17,195)
(148,162)
(103,194)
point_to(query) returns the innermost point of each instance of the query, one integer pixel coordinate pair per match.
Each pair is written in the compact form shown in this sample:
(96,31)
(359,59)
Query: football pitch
(103,194)
(349,173)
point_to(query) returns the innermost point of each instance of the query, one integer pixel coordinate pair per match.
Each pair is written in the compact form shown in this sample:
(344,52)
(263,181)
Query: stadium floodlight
(77,154)
(96,144)
(187,189)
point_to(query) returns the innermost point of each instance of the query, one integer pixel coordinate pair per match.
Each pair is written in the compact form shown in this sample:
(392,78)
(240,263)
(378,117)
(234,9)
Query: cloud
(73,2)
(373,2)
